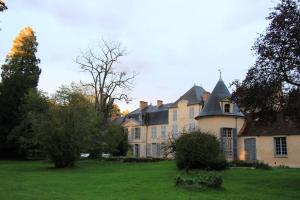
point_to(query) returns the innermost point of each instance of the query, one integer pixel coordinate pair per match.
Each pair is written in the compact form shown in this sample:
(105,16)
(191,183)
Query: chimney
(159,103)
(143,105)
(205,96)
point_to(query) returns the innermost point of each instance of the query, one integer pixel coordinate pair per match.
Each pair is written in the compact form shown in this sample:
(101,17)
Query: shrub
(209,180)
(199,150)
(65,129)
(261,165)
(133,159)
(256,165)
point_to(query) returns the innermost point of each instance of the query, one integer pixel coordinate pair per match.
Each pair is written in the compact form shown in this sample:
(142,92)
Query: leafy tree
(115,141)
(23,135)
(66,128)
(276,72)
(19,74)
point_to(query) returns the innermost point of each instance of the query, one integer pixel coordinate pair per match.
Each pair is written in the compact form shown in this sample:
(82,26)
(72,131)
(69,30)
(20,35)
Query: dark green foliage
(199,150)
(270,85)
(204,181)
(115,140)
(66,129)
(133,159)
(23,135)
(19,74)
(256,165)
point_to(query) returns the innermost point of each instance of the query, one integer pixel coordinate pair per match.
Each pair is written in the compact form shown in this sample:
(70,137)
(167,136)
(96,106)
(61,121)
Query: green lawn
(112,180)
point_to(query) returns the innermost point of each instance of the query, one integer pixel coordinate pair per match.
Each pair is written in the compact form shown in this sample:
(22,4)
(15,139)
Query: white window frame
(135,133)
(191,113)
(174,115)
(229,107)
(154,132)
(163,132)
(175,131)
(282,145)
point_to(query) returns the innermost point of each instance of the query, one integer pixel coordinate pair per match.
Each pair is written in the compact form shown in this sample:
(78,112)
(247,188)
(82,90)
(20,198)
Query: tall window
(137,134)
(163,131)
(280,146)
(174,131)
(174,115)
(227,108)
(191,126)
(191,113)
(153,133)
(136,150)
(227,142)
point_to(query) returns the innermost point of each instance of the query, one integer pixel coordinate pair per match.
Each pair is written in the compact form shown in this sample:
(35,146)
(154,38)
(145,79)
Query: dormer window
(227,108)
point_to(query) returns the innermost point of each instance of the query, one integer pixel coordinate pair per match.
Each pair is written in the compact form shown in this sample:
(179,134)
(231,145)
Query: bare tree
(108,84)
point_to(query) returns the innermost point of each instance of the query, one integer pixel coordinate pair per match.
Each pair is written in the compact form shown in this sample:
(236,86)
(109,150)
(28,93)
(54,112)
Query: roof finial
(220,71)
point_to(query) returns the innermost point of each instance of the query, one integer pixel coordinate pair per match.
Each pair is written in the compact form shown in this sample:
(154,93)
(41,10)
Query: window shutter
(221,139)
(133,150)
(234,143)
(158,150)
(148,152)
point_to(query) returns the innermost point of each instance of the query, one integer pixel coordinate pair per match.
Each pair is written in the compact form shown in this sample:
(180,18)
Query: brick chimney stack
(159,103)
(205,96)
(143,105)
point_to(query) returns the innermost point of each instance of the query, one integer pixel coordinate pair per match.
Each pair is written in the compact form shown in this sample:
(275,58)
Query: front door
(250,149)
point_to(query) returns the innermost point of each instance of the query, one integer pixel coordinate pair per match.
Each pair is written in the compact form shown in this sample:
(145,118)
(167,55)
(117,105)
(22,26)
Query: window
(137,134)
(153,133)
(280,146)
(191,126)
(227,132)
(136,150)
(174,131)
(227,142)
(155,150)
(163,132)
(227,108)
(191,113)
(174,115)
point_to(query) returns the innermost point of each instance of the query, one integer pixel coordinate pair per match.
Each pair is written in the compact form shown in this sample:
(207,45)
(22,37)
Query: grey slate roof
(152,115)
(193,96)
(213,108)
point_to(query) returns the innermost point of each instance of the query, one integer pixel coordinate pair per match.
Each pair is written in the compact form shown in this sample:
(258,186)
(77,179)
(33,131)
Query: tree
(198,150)
(19,74)
(115,140)
(2,6)
(23,135)
(276,72)
(108,84)
(65,130)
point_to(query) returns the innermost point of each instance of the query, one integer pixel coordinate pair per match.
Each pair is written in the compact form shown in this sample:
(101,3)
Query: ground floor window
(136,150)
(174,131)
(227,142)
(280,146)
(155,149)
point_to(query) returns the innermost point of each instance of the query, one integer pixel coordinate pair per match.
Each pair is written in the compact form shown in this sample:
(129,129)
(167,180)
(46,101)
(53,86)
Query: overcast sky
(171,44)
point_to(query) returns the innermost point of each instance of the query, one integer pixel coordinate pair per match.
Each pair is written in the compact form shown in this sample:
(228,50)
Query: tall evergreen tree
(19,74)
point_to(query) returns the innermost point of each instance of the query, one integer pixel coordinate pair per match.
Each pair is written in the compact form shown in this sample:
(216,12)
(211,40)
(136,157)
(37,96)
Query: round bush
(199,150)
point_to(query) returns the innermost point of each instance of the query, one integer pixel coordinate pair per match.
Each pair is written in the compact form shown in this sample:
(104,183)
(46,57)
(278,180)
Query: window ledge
(280,156)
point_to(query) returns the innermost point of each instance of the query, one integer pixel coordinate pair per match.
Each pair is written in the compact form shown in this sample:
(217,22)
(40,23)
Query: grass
(112,180)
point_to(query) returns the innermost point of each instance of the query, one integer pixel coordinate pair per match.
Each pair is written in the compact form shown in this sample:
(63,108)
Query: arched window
(227,108)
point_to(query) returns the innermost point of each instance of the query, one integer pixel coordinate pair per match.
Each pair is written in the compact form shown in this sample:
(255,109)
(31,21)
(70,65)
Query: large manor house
(151,126)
